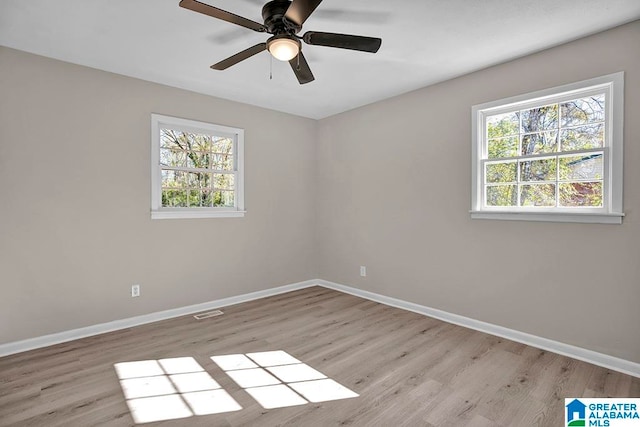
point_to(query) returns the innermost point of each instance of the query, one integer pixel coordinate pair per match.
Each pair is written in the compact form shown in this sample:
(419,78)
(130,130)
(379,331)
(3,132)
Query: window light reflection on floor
(257,377)
(295,373)
(276,396)
(169,389)
(174,388)
(322,390)
(275,379)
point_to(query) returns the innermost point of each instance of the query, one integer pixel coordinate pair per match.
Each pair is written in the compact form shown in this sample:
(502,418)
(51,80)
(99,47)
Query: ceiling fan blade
(343,41)
(203,8)
(300,10)
(301,69)
(240,56)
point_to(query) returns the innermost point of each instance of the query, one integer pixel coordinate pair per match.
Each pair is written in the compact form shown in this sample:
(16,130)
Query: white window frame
(158,122)
(611,212)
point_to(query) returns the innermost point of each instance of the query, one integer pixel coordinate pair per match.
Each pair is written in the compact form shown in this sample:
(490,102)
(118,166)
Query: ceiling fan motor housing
(274,19)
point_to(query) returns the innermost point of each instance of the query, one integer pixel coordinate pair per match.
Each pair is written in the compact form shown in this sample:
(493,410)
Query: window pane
(173,179)
(174,198)
(172,139)
(196,159)
(223,198)
(501,172)
(194,198)
(199,180)
(202,143)
(207,198)
(222,162)
(173,158)
(222,145)
(539,143)
(538,195)
(223,181)
(540,118)
(583,110)
(502,195)
(582,138)
(503,147)
(587,167)
(503,124)
(581,194)
(538,170)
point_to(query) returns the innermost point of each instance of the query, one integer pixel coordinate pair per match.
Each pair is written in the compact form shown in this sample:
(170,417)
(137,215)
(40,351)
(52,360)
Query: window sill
(591,218)
(189,214)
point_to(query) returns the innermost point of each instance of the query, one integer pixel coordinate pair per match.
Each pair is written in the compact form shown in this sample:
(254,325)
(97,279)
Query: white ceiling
(423,42)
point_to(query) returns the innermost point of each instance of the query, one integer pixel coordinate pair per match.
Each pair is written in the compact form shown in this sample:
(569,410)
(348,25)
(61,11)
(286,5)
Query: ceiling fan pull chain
(299,59)
(270,67)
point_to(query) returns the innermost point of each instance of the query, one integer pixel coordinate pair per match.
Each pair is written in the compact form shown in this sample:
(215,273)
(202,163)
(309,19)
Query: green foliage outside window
(197,170)
(557,180)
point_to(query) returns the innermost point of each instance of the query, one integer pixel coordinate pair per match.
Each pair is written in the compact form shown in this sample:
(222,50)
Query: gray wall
(394,195)
(75,221)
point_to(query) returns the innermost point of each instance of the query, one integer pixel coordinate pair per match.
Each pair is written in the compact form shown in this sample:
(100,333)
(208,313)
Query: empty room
(318,213)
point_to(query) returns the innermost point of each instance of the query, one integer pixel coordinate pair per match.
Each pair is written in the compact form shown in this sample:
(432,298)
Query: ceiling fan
(283,19)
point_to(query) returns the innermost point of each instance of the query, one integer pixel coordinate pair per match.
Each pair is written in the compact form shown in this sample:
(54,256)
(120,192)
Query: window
(197,169)
(553,155)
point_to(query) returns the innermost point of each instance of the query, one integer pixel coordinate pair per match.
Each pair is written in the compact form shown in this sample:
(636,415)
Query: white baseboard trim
(74,334)
(590,356)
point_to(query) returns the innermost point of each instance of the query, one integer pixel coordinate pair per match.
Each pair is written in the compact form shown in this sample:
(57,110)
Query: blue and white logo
(602,412)
(575,413)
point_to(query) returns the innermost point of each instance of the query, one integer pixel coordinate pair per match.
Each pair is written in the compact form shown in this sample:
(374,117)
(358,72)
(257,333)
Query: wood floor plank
(407,369)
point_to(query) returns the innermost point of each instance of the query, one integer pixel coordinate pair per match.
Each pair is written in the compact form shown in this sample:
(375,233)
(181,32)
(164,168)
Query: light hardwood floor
(409,370)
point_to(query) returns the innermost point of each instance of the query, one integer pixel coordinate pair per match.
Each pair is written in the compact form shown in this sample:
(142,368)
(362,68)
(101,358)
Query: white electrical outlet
(363,271)
(135,291)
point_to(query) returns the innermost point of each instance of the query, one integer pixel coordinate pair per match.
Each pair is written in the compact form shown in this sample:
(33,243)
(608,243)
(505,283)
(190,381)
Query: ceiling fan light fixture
(283,47)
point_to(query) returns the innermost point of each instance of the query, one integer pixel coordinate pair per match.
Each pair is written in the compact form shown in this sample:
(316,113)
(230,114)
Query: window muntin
(541,156)
(197,169)
(554,152)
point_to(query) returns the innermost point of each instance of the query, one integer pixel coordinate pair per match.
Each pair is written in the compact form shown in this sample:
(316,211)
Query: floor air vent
(208,314)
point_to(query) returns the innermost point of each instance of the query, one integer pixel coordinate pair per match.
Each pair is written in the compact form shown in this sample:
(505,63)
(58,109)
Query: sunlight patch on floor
(196,381)
(258,377)
(169,389)
(231,362)
(134,388)
(322,390)
(159,408)
(275,379)
(179,387)
(276,396)
(295,373)
(211,402)
(273,358)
